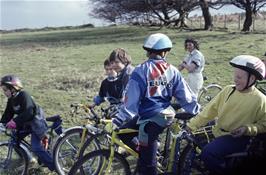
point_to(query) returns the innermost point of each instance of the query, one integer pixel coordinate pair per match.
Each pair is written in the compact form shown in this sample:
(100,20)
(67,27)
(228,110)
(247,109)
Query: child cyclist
(240,112)
(147,100)
(20,112)
(110,87)
(121,63)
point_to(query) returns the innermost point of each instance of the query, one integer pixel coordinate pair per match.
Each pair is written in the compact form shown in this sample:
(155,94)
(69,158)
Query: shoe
(34,164)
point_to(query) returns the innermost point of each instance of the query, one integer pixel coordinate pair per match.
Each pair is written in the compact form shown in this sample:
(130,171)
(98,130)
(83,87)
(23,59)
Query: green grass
(62,67)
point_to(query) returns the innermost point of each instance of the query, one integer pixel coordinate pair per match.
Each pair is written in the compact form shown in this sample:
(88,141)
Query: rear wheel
(96,162)
(66,149)
(208,93)
(190,162)
(17,163)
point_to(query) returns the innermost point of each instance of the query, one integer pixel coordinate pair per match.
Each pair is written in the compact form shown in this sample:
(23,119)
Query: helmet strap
(14,92)
(249,85)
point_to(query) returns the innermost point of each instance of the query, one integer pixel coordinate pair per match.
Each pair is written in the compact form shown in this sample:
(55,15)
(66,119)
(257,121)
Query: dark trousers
(37,148)
(42,154)
(147,161)
(214,153)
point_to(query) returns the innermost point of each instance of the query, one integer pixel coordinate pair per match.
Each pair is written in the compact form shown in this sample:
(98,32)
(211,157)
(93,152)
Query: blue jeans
(213,154)
(41,153)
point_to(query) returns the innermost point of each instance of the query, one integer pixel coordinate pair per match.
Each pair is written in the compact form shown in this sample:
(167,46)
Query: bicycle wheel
(102,139)
(208,93)
(66,149)
(91,164)
(17,163)
(189,162)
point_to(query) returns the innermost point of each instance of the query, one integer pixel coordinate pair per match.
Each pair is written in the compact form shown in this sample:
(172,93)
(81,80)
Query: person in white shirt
(194,63)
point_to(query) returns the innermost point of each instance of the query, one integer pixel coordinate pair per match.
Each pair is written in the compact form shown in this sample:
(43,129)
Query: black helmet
(11,81)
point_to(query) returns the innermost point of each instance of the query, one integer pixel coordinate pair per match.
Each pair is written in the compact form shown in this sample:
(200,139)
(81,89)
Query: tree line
(170,12)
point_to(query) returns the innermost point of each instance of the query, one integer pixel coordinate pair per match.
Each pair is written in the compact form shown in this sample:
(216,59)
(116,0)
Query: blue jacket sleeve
(130,107)
(185,97)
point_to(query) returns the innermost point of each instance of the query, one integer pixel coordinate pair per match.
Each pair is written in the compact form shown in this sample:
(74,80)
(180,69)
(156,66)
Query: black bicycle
(16,152)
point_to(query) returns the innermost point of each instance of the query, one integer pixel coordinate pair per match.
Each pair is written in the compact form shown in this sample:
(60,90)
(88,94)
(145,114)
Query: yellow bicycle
(111,161)
(69,145)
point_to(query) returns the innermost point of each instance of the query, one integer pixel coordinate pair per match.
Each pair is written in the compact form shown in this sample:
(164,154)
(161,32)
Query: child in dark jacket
(19,114)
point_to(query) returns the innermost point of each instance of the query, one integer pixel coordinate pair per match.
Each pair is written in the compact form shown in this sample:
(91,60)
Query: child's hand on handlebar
(239,131)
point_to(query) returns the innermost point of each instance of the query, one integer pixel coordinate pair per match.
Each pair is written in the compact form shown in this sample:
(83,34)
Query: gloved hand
(117,121)
(11,124)
(98,100)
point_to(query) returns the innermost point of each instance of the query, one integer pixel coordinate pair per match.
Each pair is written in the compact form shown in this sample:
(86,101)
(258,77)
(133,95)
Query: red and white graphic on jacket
(157,78)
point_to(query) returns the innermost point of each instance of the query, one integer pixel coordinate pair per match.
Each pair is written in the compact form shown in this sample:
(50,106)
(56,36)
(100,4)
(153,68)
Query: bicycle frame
(117,141)
(91,125)
(175,127)
(92,129)
(24,145)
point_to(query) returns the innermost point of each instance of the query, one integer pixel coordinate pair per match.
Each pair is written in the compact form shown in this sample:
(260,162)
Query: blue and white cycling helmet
(251,64)
(157,43)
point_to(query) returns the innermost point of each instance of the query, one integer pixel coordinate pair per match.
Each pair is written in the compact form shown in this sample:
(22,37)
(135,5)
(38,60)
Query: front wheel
(208,93)
(66,149)
(96,163)
(16,163)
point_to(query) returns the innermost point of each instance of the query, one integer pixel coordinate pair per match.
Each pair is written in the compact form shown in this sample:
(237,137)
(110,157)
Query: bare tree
(206,14)
(113,10)
(164,12)
(251,8)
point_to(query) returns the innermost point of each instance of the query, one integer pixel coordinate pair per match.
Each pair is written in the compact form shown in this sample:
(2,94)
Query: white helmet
(157,42)
(250,64)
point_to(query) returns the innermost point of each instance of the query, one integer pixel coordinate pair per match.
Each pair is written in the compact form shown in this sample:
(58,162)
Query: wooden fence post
(225,21)
(239,21)
(253,21)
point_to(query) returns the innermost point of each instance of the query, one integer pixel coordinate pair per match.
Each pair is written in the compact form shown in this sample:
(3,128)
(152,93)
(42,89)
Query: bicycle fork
(111,158)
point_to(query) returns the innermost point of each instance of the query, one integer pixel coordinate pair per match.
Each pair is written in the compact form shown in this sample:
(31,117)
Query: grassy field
(62,67)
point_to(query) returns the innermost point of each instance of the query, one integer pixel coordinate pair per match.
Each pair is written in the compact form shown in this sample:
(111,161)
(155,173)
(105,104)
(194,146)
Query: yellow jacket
(240,109)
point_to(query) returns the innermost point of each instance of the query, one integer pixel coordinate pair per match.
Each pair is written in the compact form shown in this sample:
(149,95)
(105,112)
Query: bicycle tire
(66,149)
(119,164)
(104,144)
(19,161)
(208,93)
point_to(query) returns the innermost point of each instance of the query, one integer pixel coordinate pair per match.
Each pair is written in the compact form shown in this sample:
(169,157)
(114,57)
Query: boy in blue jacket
(147,100)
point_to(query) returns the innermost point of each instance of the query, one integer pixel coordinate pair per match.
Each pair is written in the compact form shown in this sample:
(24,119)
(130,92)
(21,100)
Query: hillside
(60,67)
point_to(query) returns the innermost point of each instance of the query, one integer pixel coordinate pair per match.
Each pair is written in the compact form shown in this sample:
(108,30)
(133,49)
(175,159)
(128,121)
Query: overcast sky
(43,13)
(53,13)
